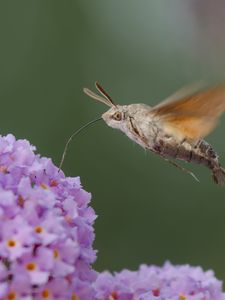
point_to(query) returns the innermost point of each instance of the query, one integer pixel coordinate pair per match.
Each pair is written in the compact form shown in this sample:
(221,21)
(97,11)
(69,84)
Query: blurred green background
(140,51)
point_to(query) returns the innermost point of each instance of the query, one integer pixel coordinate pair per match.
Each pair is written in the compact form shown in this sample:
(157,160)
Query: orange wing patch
(190,128)
(193,117)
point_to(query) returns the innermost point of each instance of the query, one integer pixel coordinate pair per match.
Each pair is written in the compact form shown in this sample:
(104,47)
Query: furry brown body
(202,153)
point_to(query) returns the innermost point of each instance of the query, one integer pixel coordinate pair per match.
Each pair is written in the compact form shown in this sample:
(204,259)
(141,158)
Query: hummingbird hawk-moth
(173,129)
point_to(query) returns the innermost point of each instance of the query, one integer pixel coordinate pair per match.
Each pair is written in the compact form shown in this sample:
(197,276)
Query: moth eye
(117,116)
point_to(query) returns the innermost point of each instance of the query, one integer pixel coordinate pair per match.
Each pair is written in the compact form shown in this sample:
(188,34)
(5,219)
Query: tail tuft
(219,175)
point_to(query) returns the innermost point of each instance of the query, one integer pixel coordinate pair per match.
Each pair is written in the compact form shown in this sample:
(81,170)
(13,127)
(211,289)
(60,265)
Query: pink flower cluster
(159,283)
(46,231)
(46,238)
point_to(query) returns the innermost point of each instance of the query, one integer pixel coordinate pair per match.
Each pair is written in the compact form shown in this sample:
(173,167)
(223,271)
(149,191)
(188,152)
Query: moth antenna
(104,94)
(72,136)
(96,97)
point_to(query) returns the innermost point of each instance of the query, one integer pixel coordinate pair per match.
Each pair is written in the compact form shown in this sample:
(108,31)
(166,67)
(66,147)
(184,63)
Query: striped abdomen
(202,154)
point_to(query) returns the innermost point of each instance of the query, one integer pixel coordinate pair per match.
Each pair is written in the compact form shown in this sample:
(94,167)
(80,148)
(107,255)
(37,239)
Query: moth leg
(197,144)
(180,167)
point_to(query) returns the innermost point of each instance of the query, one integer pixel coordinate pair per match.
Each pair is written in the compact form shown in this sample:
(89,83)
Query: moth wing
(192,117)
(183,93)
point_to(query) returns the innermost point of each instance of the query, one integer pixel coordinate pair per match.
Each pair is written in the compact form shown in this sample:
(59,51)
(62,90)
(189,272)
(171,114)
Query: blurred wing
(192,117)
(182,93)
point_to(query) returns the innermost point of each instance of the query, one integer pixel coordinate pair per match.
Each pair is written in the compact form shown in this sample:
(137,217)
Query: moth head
(115,115)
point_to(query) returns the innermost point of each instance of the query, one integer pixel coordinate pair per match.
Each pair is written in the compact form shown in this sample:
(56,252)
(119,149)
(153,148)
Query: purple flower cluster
(46,237)
(46,228)
(159,283)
